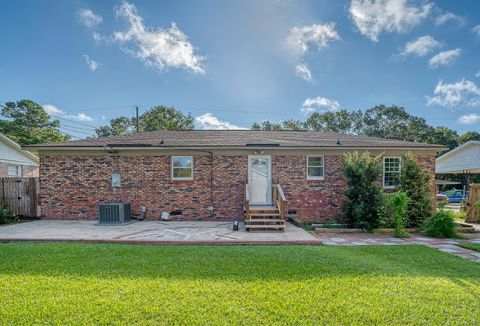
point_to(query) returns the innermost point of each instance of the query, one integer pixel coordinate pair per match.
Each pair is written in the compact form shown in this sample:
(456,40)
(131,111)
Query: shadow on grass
(239,263)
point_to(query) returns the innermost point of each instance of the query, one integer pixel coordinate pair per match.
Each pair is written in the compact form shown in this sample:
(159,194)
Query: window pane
(13,170)
(391,172)
(315,172)
(315,161)
(182,161)
(182,172)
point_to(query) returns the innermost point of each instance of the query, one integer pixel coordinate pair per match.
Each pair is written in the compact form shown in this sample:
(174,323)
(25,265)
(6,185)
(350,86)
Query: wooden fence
(20,194)
(473,203)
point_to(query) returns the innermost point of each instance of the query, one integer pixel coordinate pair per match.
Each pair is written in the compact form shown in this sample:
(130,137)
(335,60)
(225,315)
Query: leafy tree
(338,121)
(469,135)
(266,125)
(393,123)
(293,125)
(416,185)
(444,136)
(390,122)
(118,126)
(157,118)
(27,123)
(363,194)
(165,118)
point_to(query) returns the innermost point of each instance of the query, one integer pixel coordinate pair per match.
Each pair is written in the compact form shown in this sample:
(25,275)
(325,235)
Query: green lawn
(471,246)
(127,284)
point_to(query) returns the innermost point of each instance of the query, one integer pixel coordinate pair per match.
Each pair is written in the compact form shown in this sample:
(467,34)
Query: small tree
(399,202)
(416,185)
(363,193)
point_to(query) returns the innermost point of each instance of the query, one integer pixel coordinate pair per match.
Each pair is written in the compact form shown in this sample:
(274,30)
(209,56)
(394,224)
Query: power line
(76,131)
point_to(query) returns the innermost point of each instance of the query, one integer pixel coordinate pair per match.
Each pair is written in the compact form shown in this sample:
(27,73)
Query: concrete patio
(171,232)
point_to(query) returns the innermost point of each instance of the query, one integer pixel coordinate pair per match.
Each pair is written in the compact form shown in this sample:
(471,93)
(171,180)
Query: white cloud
(373,18)
(301,38)
(89,18)
(98,38)
(461,93)
(52,110)
(446,17)
(302,71)
(320,104)
(469,119)
(421,46)
(476,30)
(92,64)
(477,74)
(444,58)
(158,48)
(209,121)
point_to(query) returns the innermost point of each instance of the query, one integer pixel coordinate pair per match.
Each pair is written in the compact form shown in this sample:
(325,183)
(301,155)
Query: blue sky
(231,63)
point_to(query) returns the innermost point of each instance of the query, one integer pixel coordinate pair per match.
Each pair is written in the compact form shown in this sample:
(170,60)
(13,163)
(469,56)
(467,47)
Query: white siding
(465,158)
(11,155)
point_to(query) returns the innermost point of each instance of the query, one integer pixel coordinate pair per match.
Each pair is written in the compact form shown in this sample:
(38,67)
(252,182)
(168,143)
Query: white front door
(260,179)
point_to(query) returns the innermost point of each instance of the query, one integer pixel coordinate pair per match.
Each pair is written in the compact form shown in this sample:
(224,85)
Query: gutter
(240,147)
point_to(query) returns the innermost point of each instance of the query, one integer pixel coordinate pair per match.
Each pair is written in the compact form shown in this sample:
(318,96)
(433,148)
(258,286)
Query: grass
(82,284)
(471,246)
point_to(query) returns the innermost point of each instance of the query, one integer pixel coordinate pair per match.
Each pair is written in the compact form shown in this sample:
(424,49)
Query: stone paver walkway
(365,239)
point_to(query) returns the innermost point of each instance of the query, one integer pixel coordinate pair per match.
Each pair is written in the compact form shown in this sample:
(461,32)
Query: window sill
(390,187)
(315,179)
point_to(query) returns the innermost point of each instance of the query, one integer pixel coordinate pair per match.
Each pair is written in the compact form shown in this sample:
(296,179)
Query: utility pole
(136,120)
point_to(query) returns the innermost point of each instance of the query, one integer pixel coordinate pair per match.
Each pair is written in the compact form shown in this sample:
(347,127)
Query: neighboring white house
(16,162)
(463,159)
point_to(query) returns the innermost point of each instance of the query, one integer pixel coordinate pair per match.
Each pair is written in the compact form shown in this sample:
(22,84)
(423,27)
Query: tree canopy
(26,122)
(157,118)
(392,122)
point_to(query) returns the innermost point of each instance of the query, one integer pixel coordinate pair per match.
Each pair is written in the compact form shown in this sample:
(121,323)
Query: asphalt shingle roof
(236,138)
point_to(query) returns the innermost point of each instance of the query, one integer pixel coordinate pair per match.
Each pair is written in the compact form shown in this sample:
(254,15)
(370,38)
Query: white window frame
(322,177)
(399,171)
(18,171)
(172,167)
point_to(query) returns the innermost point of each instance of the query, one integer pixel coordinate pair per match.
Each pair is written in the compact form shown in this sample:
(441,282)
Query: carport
(463,160)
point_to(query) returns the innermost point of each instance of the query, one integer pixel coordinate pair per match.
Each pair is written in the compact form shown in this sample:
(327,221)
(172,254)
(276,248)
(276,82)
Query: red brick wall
(72,186)
(314,200)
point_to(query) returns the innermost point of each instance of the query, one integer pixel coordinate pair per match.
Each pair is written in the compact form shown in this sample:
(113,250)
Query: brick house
(211,175)
(16,162)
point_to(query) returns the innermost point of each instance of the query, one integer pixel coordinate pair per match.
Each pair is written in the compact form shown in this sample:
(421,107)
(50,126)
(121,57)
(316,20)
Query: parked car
(453,195)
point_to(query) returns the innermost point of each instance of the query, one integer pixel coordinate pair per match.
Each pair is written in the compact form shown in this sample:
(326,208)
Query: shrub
(416,184)
(6,215)
(441,225)
(399,201)
(363,194)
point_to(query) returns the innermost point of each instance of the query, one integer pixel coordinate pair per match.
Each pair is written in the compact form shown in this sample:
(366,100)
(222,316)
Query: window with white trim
(14,171)
(391,171)
(182,167)
(315,167)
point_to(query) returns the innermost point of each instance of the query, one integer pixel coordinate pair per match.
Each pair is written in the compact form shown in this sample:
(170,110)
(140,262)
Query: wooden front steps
(264,219)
